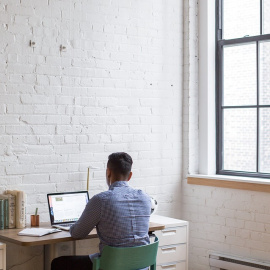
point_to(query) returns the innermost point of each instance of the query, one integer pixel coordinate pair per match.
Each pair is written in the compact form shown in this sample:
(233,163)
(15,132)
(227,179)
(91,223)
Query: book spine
(20,209)
(12,207)
(12,211)
(2,219)
(6,213)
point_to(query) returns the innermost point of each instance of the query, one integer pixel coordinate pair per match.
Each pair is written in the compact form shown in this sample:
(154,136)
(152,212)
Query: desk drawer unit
(172,253)
(172,266)
(173,235)
(2,256)
(173,244)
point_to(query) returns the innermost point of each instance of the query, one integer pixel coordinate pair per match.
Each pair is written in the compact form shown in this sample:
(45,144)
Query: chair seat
(127,258)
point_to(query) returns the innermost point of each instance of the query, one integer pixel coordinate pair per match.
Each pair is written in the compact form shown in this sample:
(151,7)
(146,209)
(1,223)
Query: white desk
(172,234)
(49,241)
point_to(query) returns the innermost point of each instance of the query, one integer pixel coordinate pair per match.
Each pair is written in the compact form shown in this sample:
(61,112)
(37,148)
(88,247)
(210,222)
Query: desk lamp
(88,175)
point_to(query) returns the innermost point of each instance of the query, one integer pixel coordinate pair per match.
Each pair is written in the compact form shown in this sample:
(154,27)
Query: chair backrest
(127,258)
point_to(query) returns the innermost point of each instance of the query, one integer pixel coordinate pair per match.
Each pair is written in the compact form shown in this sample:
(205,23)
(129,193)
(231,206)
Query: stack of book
(12,209)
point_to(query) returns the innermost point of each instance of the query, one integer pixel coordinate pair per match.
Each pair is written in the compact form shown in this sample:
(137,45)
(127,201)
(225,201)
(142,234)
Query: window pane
(264,73)
(240,140)
(241,18)
(264,165)
(266,17)
(240,75)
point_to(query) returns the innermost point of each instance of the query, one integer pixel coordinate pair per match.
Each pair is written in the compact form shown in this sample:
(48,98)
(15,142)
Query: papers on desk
(37,231)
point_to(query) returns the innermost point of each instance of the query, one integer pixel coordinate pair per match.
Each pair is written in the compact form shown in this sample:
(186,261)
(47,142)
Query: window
(243,87)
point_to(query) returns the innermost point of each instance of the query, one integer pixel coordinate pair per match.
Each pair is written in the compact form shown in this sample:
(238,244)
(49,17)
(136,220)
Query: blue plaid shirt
(121,216)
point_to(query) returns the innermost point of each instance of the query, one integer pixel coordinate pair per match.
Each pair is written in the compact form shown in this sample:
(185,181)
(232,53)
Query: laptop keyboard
(67,224)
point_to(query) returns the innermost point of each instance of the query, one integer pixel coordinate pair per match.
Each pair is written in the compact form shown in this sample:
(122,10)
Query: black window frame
(220,43)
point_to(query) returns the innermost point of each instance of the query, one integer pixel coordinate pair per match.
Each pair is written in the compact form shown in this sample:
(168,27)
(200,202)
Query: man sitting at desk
(121,215)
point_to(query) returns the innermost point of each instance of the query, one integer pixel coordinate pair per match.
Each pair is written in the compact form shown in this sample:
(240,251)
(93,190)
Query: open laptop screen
(66,207)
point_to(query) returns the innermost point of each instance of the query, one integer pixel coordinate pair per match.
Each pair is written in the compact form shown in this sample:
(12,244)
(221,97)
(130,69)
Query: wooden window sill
(244,183)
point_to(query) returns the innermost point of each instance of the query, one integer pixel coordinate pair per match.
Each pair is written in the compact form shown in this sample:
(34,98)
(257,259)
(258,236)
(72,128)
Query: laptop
(66,208)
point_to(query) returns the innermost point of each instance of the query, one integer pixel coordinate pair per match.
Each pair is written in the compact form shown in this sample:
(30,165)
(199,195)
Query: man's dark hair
(120,163)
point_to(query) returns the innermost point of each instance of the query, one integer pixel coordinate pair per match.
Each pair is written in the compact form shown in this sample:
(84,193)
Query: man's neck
(117,179)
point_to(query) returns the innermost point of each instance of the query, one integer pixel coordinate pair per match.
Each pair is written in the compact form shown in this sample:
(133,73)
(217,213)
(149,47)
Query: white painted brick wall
(117,87)
(229,221)
(235,222)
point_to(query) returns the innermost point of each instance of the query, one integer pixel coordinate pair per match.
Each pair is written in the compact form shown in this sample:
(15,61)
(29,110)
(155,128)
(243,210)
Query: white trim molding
(207,124)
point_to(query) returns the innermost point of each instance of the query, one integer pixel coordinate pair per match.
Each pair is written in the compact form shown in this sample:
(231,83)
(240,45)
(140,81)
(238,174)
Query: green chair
(127,258)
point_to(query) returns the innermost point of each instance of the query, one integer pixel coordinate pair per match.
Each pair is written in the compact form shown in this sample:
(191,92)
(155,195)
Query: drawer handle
(169,266)
(168,232)
(168,249)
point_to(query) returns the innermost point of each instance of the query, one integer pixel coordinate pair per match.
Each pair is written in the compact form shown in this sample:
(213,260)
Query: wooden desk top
(11,235)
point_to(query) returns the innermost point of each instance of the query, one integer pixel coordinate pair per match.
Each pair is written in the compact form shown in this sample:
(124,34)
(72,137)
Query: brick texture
(235,222)
(116,87)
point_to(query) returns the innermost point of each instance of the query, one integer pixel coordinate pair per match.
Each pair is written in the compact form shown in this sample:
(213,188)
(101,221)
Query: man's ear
(109,172)
(130,175)
(108,176)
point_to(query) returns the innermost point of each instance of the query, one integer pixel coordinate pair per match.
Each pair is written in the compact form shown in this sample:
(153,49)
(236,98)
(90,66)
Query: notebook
(66,208)
(37,231)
